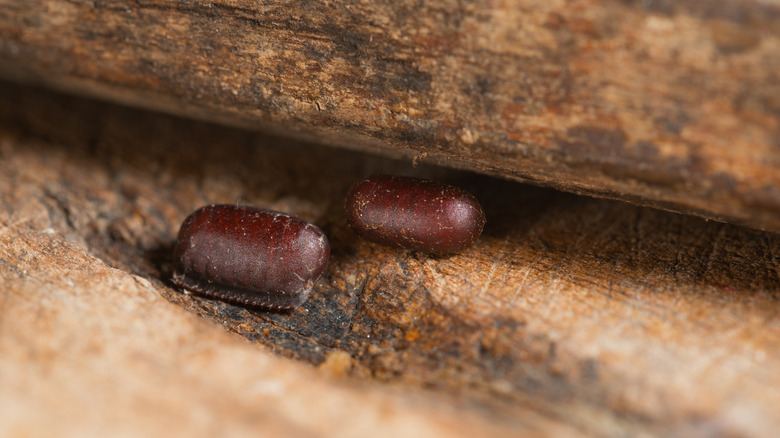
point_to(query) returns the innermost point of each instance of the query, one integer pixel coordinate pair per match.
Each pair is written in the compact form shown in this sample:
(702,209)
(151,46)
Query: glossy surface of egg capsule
(415,214)
(255,257)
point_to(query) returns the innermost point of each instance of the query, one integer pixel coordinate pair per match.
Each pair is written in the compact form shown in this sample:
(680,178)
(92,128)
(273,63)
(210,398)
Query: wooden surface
(570,316)
(672,104)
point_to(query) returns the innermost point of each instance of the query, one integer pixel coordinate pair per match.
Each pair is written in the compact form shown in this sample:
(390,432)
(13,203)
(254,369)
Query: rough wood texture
(569,316)
(666,103)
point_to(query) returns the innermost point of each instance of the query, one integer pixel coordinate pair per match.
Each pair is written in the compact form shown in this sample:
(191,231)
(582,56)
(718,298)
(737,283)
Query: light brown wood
(570,316)
(672,104)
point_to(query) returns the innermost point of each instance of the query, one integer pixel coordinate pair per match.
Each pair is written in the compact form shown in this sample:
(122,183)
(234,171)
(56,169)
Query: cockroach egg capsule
(415,214)
(255,257)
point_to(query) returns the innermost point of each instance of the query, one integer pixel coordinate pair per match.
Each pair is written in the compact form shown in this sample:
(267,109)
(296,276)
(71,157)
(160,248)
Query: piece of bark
(668,104)
(570,315)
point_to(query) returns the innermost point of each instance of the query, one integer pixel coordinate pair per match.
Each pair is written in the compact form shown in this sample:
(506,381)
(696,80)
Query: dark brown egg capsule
(415,214)
(246,255)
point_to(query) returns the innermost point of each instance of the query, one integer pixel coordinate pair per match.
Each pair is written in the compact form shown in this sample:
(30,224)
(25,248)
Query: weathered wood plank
(672,104)
(569,315)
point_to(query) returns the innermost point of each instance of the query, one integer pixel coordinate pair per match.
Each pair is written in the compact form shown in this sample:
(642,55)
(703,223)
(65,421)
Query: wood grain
(672,104)
(569,316)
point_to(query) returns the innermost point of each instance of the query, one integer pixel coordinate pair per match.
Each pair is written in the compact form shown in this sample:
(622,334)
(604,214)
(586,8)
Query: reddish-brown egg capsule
(246,255)
(415,214)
